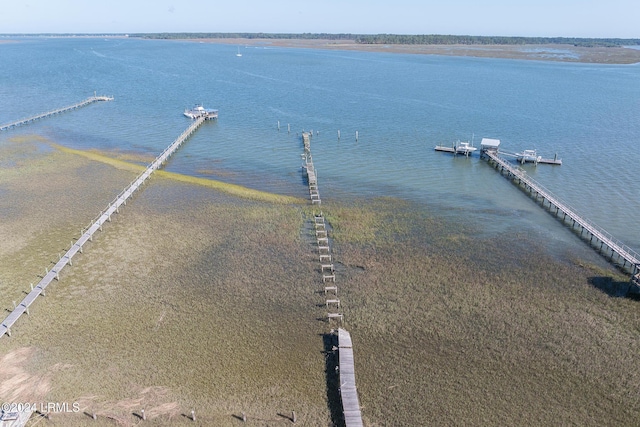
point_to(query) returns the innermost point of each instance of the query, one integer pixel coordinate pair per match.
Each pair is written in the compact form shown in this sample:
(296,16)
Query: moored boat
(528,156)
(465,148)
(200,111)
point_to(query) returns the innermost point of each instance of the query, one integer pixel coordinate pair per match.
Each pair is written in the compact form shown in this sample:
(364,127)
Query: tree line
(428,39)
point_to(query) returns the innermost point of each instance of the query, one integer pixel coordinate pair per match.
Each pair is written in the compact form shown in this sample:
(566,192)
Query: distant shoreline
(537,52)
(591,51)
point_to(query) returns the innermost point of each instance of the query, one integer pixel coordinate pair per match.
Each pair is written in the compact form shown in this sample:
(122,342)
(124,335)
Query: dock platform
(28,120)
(88,232)
(445,149)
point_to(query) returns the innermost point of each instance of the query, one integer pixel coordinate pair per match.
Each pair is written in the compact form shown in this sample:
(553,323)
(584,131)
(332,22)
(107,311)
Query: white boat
(200,111)
(528,156)
(465,148)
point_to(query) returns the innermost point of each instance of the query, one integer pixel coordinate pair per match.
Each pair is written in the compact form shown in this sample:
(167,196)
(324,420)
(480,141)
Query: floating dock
(28,120)
(446,149)
(87,233)
(493,145)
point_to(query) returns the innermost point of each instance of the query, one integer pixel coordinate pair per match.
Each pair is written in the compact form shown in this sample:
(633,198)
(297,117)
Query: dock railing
(56,111)
(87,233)
(626,252)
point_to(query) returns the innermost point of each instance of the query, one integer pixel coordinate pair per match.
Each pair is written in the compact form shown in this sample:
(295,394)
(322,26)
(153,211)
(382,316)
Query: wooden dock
(88,232)
(310,170)
(446,149)
(346,370)
(28,120)
(347,375)
(613,249)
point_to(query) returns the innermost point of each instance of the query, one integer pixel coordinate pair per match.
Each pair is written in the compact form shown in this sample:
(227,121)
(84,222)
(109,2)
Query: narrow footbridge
(613,249)
(96,224)
(28,120)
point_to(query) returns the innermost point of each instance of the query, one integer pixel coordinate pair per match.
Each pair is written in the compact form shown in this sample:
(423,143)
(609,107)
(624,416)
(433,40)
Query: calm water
(401,106)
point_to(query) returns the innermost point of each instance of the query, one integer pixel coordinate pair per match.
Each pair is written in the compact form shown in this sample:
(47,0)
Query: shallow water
(400,105)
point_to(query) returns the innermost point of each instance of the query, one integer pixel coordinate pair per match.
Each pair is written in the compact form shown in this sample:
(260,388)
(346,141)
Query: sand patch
(17,384)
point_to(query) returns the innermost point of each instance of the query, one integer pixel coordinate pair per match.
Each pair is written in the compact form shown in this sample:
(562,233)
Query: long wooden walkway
(347,374)
(88,232)
(28,120)
(346,369)
(626,258)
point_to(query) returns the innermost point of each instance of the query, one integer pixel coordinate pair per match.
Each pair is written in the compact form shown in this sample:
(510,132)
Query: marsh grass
(195,299)
(453,329)
(123,161)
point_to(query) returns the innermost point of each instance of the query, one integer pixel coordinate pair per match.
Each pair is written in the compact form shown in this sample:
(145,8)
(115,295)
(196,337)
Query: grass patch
(196,299)
(232,189)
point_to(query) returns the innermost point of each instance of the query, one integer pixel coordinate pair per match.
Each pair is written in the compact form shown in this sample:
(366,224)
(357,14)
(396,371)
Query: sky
(543,18)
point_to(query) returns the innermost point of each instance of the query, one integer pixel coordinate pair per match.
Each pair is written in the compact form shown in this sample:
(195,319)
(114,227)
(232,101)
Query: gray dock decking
(630,258)
(87,234)
(87,101)
(347,373)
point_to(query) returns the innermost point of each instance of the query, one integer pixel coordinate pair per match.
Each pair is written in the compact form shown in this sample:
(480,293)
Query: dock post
(338,133)
(193,413)
(288,128)
(244,417)
(356,136)
(278,124)
(293,416)
(144,416)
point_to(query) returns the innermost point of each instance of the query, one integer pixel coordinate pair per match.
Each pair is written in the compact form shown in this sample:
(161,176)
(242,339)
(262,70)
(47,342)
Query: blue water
(400,105)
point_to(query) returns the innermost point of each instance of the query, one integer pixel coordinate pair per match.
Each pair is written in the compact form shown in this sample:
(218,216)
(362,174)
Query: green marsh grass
(193,298)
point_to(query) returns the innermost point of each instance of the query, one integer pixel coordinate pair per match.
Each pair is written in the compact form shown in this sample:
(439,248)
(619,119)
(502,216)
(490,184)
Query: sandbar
(544,52)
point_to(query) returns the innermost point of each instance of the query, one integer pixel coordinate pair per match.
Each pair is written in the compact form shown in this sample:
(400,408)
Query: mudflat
(545,52)
(196,299)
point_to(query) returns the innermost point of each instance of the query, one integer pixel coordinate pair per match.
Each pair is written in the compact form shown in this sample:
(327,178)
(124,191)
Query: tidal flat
(196,299)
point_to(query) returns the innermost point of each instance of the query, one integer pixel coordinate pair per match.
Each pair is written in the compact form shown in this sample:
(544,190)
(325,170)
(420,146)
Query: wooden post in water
(278,124)
(356,136)
(288,128)
(338,133)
